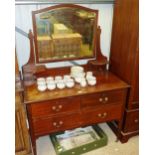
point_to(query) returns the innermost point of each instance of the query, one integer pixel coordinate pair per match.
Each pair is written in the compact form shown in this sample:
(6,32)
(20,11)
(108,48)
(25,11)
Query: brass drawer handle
(106,99)
(136,120)
(100,99)
(57,124)
(60,106)
(61,122)
(53,107)
(103,100)
(54,124)
(102,115)
(57,108)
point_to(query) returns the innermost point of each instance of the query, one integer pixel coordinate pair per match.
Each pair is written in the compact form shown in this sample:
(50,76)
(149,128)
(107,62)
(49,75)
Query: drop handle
(103,100)
(58,108)
(106,99)
(102,115)
(58,124)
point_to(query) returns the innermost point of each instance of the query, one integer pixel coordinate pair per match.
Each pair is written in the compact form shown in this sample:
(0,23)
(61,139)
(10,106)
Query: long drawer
(55,106)
(58,123)
(98,99)
(131,121)
(102,114)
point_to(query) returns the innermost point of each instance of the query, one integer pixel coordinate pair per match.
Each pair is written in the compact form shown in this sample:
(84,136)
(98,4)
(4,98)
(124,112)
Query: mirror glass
(65,33)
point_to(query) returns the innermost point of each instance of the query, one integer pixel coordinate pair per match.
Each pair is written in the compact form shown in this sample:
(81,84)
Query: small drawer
(55,106)
(131,121)
(99,99)
(54,124)
(105,113)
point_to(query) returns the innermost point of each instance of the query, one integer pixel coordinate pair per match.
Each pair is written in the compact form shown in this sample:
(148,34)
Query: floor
(44,146)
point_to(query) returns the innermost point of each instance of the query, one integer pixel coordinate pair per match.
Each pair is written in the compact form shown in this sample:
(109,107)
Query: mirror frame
(56,7)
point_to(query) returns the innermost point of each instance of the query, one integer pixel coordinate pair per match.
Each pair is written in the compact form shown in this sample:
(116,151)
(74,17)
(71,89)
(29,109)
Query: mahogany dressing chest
(57,110)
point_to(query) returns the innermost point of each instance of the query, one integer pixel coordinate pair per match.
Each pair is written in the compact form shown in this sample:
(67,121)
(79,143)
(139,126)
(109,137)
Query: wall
(23,21)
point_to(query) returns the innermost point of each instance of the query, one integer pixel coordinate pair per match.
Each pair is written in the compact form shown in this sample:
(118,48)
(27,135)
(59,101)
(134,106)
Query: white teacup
(89,73)
(69,83)
(67,77)
(51,86)
(79,79)
(42,87)
(49,78)
(41,81)
(83,83)
(60,84)
(91,81)
(58,78)
(77,69)
(50,82)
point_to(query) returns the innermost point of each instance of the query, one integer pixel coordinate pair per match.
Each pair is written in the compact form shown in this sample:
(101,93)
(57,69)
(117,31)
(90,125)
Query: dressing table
(58,110)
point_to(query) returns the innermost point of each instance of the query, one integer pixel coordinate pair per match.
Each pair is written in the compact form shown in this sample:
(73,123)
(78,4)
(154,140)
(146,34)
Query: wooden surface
(124,58)
(105,82)
(59,110)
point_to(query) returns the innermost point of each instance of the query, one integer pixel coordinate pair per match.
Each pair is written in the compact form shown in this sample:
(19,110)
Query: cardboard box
(45,47)
(60,29)
(67,44)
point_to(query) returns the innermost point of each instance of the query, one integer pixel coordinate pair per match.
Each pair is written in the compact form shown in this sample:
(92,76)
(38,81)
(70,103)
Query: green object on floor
(98,142)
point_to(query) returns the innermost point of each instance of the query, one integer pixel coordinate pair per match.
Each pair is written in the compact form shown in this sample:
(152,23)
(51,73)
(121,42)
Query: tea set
(77,75)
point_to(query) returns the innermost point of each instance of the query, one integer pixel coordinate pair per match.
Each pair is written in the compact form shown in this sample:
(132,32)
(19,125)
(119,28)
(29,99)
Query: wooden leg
(119,131)
(34,146)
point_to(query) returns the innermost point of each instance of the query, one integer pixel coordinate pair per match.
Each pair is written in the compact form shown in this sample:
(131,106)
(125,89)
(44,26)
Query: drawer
(105,113)
(131,121)
(99,99)
(55,106)
(54,124)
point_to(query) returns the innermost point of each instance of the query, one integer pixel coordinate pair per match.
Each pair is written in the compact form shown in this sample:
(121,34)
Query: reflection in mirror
(65,33)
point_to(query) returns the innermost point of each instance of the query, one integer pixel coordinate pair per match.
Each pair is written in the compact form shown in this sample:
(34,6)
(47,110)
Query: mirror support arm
(101,61)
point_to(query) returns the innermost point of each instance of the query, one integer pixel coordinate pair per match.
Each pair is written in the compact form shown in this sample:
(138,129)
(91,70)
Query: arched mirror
(64,32)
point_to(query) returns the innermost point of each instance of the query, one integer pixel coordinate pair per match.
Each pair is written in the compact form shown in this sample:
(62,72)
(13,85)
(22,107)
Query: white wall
(23,21)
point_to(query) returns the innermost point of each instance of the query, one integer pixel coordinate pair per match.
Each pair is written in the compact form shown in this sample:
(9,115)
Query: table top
(106,81)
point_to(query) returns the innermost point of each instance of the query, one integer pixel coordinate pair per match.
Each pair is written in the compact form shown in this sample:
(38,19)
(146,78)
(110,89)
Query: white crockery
(90,77)
(79,79)
(67,77)
(42,87)
(50,82)
(89,73)
(77,69)
(69,83)
(49,78)
(41,81)
(58,77)
(51,86)
(60,85)
(83,83)
(78,74)
(91,81)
